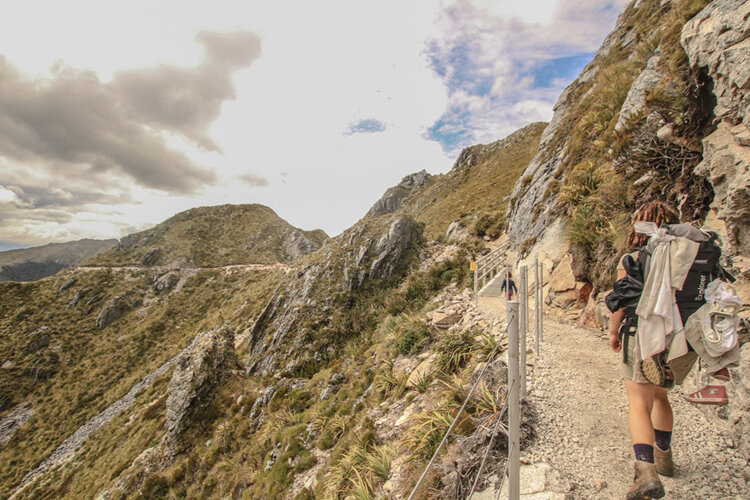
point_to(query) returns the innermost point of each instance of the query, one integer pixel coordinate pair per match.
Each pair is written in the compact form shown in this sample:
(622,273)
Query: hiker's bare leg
(661,413)
(640,406)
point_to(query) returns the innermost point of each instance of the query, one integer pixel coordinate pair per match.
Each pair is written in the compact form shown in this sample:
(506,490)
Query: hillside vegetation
(215,236)
(29,264)
(474,192)
(602,156)
(167,369)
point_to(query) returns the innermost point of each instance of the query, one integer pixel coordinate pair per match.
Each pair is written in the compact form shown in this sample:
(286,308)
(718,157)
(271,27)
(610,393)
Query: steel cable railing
(455,420)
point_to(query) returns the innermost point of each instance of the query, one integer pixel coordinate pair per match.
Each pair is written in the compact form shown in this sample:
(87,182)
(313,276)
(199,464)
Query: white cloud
(324,66)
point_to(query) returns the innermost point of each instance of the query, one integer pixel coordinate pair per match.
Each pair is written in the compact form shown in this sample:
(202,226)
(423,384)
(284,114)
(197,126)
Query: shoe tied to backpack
(709,395)
(663,461)
(646,483)
(656,370)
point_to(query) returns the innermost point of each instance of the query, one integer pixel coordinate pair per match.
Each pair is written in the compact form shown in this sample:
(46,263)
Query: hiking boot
(709,395)
(663,461)
(722,374)
(656,370)
(646,483)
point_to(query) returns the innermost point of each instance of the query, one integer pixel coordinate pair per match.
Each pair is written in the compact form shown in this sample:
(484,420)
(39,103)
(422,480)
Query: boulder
(425,369)
(562,277)
(166,283)
(457,232)
(200,368)
(113,310)
(636,98)
(151,257)
(68,284)
(445,320)
(596,314)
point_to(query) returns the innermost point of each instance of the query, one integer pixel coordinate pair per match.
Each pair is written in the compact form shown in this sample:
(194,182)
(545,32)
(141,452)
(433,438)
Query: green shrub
(415,335)
(454,350)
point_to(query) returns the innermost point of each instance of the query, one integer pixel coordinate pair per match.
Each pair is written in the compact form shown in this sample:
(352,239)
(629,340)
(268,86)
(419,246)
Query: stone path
(577,391)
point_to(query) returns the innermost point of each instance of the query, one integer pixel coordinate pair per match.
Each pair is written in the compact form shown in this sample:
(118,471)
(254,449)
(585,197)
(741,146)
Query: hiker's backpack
(705,268)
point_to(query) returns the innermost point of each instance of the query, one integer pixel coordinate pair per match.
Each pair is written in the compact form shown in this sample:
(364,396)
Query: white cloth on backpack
(658,315)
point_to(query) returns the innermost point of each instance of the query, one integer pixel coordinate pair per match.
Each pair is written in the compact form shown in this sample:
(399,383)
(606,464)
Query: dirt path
(577,391)
(229,268)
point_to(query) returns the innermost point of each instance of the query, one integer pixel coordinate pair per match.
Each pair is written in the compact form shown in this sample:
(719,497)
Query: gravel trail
(578,393)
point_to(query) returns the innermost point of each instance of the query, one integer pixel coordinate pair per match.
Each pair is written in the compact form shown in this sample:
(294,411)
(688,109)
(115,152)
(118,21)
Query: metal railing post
(523,312)
(476,286)
(536,304)
(541,301)
(514,406)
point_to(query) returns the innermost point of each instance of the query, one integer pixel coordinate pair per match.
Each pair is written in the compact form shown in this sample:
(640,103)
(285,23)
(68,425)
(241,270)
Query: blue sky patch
(549,72)
(366,126)
(459,70)
(453,130)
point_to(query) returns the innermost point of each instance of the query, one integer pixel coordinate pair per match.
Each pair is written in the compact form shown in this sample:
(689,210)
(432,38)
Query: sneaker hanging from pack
(656,370)
(709,395)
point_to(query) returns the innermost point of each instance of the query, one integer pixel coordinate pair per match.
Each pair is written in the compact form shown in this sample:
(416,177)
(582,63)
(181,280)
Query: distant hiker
(509,287)
(662,322)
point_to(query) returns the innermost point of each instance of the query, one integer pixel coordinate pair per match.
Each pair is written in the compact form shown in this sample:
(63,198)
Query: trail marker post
(541,301)
(536,304)
(523,316)
(514,405)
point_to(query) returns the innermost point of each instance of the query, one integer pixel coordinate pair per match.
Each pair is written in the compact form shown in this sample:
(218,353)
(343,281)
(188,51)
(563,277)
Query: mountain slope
(477,185)
(30,264)
(640,123)
(215,236)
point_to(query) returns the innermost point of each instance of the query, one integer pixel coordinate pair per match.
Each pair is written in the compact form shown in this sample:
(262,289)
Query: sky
(116,115)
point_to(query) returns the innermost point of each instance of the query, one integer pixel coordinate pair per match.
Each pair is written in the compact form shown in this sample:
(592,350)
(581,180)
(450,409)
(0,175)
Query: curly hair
(657,212)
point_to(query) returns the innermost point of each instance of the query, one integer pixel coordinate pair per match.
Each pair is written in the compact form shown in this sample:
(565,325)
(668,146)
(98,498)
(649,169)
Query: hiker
(649,412)
(674,299)
(509,286)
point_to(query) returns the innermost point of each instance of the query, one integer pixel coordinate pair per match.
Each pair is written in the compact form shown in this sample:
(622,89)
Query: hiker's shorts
(680,366)
(629,370)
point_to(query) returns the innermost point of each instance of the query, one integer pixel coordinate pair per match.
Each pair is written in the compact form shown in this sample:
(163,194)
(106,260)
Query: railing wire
(455,420)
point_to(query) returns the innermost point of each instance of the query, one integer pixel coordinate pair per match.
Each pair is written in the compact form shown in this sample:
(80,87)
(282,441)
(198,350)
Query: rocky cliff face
(717,42)
(394,196)
(629,129)
(204,364)
(283,338)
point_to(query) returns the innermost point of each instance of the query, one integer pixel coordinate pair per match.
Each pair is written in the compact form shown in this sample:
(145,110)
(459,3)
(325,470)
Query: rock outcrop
(342,267)
(15,419)
(112,311)
(717,42)
(166,283)
(636,99)
(392,247)
(204,364)
(151,257)
(296,244)
(394,196)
